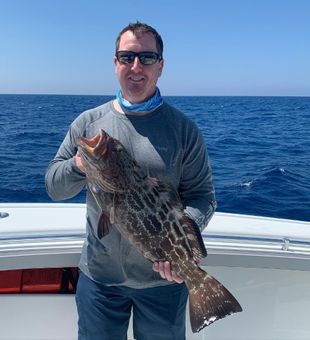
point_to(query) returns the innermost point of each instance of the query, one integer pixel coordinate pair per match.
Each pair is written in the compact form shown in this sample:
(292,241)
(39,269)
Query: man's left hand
(165,271)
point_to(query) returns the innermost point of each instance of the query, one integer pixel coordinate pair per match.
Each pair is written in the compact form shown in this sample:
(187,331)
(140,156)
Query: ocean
(259,148)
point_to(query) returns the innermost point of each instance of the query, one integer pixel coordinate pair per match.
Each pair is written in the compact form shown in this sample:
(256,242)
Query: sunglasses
(145,58)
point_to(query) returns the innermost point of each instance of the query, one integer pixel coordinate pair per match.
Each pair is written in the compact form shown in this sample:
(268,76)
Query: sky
(211,47)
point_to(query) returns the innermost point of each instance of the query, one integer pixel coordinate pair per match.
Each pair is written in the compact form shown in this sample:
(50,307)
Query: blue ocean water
(259,148)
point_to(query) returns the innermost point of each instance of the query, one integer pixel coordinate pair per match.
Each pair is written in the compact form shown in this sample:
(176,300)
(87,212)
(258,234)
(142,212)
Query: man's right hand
(78,162)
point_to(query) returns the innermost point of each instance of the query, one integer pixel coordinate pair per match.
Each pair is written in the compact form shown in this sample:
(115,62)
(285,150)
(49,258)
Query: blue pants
(104,312)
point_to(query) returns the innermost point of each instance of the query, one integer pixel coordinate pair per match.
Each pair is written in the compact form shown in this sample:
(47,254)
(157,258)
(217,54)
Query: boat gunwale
(229,237)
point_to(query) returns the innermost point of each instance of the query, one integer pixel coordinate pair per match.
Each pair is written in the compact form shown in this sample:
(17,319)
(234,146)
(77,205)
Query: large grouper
(150,215)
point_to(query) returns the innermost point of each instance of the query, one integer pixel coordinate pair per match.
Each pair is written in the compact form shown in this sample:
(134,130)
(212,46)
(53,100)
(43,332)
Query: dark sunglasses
(145,58)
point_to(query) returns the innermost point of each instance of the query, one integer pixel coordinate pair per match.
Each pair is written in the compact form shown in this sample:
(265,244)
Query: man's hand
(165,271)
(78,162)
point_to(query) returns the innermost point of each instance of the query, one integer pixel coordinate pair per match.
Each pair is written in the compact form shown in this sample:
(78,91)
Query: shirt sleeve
(63,179)
(196,186)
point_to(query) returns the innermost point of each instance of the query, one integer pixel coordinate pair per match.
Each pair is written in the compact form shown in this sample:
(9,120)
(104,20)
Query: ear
(161,66)
(115,62)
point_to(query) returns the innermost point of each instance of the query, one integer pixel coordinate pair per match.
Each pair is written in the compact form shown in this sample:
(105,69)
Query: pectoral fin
(104,225)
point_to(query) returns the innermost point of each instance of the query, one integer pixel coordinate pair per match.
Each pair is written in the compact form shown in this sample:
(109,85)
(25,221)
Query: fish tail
(209,300)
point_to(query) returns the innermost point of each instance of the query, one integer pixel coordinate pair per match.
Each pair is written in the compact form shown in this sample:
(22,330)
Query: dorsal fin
(194,238)
(160,185)
(167,192)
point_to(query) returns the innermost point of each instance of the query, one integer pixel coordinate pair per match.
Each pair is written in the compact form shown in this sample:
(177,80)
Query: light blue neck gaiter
(147,106)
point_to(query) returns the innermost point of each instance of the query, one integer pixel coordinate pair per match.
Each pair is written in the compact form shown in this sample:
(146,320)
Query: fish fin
(167,192)
(194,237)
(104,225)
(160,185)
(209,301)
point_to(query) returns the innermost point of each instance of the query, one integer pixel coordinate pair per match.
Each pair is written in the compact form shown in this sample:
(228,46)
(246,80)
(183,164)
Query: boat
(264,262)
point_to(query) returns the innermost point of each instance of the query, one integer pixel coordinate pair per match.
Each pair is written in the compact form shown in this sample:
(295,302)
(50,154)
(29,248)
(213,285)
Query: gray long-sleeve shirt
(168,146)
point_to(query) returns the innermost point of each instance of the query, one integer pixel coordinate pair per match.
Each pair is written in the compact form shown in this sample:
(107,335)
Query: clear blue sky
(212,47)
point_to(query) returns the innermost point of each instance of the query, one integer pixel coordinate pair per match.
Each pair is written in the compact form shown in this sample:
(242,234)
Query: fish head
(106,161)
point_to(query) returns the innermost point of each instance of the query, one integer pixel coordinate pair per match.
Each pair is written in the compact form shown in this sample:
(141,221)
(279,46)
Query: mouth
(96,146)
(136,79)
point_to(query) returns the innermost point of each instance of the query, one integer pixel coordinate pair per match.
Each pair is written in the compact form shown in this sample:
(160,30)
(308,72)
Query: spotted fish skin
(149,214)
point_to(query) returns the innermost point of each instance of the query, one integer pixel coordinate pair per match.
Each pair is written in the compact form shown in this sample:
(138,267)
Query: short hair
(141,28)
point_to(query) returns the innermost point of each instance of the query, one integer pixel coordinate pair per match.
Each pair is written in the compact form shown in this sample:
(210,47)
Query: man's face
(138,81)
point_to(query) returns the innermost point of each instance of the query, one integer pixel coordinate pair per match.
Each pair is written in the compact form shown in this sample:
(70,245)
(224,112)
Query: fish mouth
(96,146)
(100,165)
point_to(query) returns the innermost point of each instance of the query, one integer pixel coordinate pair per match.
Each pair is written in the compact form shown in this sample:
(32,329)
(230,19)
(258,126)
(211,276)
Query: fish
(149,213)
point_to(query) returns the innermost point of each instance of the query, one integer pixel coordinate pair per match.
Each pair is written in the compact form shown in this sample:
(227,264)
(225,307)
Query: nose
(136,65)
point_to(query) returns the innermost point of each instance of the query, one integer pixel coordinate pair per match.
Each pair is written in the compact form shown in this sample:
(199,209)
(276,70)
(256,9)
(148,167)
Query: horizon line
(175,95)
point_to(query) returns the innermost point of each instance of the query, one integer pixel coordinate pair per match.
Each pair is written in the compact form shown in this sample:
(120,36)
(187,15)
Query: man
(114,278)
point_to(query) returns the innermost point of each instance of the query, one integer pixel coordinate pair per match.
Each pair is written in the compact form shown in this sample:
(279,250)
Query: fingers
(78,162)
(165,271)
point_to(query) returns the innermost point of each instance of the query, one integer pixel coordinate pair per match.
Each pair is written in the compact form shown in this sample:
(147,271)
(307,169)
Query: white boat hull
(264,262)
